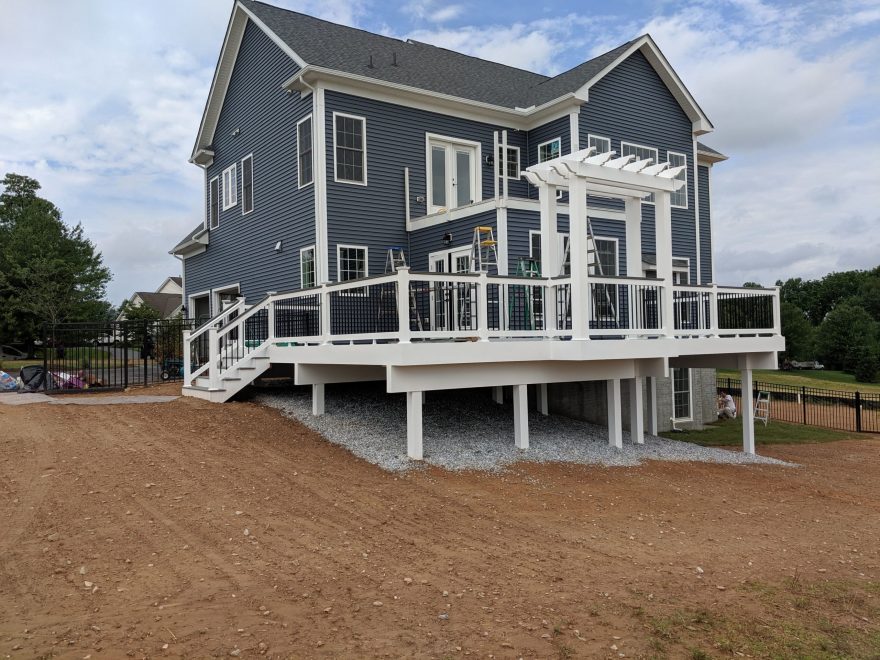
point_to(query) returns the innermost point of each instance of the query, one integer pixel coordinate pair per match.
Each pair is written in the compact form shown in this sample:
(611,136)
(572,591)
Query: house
(167,300)
(556,230)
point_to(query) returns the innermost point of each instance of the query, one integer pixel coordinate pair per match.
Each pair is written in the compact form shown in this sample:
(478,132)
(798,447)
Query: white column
(549,231)
(747,412)
(633,209)
(615,432)
(577,240)
(318,399)
(651,425)
(414,425)
(663,229)
(403,311)
(636,411)
(521,416)
(498,395)
(543,403)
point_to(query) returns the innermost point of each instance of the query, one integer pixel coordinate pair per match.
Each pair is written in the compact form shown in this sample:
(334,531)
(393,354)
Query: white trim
(229,203)
(711,224)
(650,198)
(201,294)
(593,136)
(686,185)
(507,162)
(365,248)
(299,184)
(574,129)
(274,37)
(314,265)
(207,209)
(216,223)
(364,151)
(697,214)
(253,204)
(690,373)
(319,145)
(616,242)
(217,291)
(476,176)
(533,232)
(551,141)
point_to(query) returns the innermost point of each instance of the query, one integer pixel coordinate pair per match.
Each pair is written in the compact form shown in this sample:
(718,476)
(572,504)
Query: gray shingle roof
(186,239)
(420,65)
(164,303)
(702,148)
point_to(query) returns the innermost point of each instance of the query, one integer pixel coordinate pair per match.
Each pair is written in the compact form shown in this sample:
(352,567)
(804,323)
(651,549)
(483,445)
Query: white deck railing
(409,307)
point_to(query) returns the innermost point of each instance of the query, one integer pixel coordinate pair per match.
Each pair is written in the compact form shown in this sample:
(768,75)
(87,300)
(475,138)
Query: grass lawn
(728,433)
(831,380)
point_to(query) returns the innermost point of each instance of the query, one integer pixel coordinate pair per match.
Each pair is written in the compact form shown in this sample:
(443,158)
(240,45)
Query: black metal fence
(813,406)
(112,355)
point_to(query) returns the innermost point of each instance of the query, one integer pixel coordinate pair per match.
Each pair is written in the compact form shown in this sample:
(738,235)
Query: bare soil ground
(190,529)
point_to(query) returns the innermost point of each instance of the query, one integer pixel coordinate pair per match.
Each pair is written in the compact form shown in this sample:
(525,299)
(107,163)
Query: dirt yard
(190,529)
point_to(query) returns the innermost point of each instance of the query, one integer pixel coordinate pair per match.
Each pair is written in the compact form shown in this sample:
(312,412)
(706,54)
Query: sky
(100,101)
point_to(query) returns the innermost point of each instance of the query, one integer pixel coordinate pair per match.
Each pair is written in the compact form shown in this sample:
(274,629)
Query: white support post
(414,425)
(549,233)
(498,395)
(406,209)
(214,358)
(633,210)
(615,431)
(187,359)
(747,412)
(270,320)
(713,310)
(543,401)
(663,233)
(651,422)
(403,312)
(483,307)
(636,411)
(777,312)
(577,240)
(318,399)
(521,416)
(495,165)
(325,313)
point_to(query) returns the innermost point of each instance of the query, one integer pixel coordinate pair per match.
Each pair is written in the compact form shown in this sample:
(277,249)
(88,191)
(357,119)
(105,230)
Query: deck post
(317,399)
(498,395)
(187,359)
(414,425)
(270,319)
(615,432)
(483,306)
(214,357)
(746,411)
(521,416)
(403,312)
(636,411)
(543,402)
(651,425)
(325,313)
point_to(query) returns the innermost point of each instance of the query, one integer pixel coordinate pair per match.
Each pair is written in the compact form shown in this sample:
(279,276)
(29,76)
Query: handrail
(217,319)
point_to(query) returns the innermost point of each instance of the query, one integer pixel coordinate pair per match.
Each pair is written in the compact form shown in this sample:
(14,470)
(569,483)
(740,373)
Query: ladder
(525,267)
(762,407)
(484,250)
(594,263)
(394,259)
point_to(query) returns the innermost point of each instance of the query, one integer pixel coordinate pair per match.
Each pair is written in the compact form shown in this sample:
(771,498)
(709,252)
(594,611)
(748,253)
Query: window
(247,184)
(640,152)
(350,146)
(307,267)
(214,203)
(681,393)
(453,173)
(685,302)
(230,185)
(351,262)
(549,150)
(602,144)
(605,295)
(679,198)
(512,161)
(304,150)
(535,246)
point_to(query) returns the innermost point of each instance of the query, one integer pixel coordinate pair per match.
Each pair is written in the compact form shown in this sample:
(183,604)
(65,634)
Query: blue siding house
(324,147)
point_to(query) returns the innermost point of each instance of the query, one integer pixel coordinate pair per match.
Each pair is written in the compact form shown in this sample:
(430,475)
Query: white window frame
(302,283)
(681,177)
(363,121)
(650,198)
(609,239)
(214,219)
(230,185)
(518,161)
(542,144)
(191,302)
(533,232)
(476,175)
(690,416)
(591,137)
(362,291)
(219,291)
(299,181)
(249,157)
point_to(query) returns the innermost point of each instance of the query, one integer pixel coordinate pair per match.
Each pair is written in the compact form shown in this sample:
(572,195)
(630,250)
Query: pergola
(586,172)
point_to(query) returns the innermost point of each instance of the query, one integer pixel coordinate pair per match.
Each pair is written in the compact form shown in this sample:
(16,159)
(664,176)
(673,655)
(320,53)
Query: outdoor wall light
(447,239)
(490,159)
(236,132)
(278,246)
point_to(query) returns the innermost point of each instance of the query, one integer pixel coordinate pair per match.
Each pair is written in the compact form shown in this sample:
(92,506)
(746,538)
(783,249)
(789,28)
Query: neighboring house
(167,300)
(323,146)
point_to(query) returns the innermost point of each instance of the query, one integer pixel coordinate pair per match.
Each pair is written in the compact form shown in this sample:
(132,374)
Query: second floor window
(679,198)
(641,153)
(304,150)
(549,150)
(247,185)
(602,144)
(230,185)
(350,140)
(512,161)
(214,203)
(307,267)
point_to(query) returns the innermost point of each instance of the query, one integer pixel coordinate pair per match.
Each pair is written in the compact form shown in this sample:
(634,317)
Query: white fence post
(213,358)
(325,313)
(187,359)
(483,306)
(270,319)
(403,312)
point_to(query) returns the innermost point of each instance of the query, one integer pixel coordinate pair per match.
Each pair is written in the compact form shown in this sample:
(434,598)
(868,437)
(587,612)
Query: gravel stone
(465,430)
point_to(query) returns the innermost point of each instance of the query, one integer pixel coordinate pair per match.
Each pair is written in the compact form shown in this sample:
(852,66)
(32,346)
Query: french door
(452,304)
(452,174)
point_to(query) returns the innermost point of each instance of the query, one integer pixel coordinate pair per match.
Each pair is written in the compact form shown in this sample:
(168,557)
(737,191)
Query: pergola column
(663,239)
(577,241)
(633,210)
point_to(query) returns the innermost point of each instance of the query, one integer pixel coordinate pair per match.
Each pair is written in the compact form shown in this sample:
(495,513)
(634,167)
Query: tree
(845,335)
(797,331)
(867,366)
(49,272)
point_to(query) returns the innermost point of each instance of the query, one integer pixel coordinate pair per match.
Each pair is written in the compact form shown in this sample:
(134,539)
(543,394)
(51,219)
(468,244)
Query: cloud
(432,11)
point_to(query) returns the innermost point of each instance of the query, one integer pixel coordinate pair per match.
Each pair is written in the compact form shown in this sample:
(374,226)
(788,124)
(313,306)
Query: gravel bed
(465,430)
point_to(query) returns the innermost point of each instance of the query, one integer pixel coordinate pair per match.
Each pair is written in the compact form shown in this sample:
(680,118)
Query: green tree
(49,271)
(798,332)
(847,332)
(867,366)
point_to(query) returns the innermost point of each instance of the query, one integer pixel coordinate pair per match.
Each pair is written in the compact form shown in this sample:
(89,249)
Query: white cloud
(432,11)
